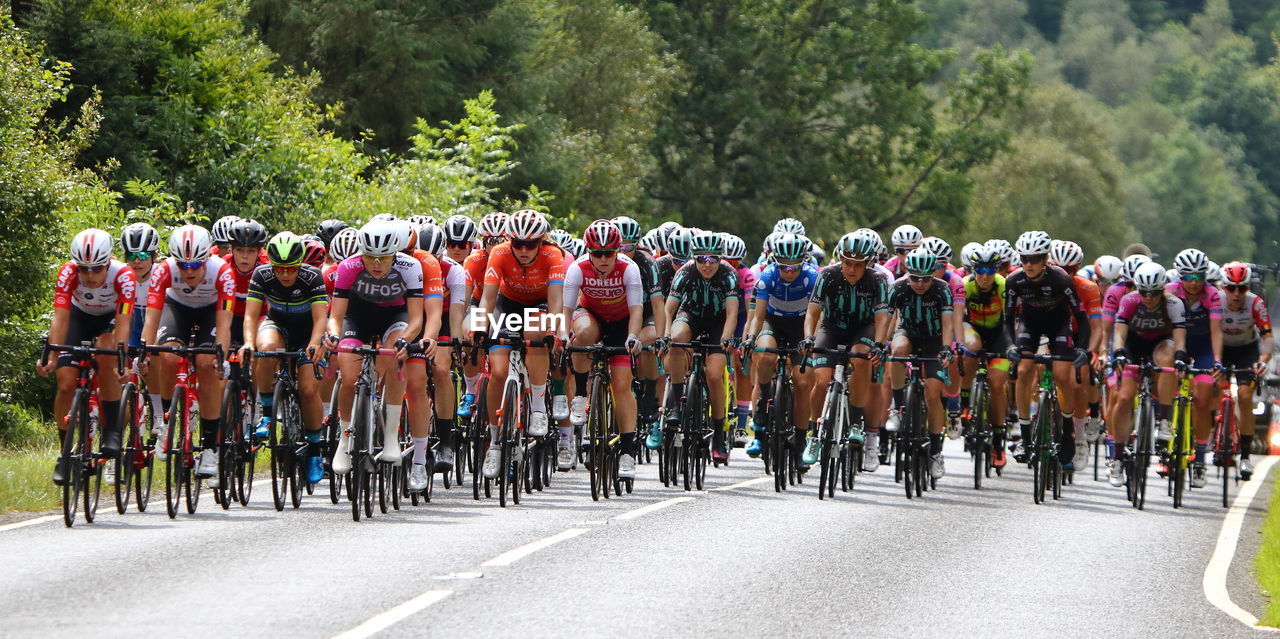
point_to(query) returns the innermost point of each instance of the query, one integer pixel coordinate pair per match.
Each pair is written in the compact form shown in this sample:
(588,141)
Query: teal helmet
(631,232)
(790,247)
(680,244)
(856,246)
(707,243)
(921,261)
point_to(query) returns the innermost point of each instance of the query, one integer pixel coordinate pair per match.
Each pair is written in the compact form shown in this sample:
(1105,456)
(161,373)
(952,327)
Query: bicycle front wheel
(73,450)
(123,462)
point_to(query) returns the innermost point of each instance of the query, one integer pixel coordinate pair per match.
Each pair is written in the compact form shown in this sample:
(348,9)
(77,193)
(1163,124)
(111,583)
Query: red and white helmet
(92,247)
(190,243)
(1236,273)
(527,224)
(494,225)
(602,235)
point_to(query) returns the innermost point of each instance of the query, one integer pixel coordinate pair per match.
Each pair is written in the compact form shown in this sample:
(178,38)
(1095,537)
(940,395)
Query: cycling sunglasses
(985,270)
(627,248)
(492,240)
(286,269)
(601,254)
(707,259)
(1034,259)
(788,268)
(1236,288)
(1150,293)
(139,255)
(380,259)
(190,266)
(1192,277)
(91,269)
(525,245)
(457,244)
(920,279)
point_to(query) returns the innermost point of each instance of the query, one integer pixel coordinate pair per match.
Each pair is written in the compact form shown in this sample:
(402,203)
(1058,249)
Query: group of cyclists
(422,287)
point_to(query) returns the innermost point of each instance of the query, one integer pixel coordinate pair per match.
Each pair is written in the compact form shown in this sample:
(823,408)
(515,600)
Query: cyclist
(945,272)
(221,234)
(492,231)
(377,297)
(984,331)
(453,285)
(292,294)
(345,244)
(850,309)
(734,252)
(191,294)
(140,244)
(93,300)
(1202,304)
(905,238)
(1068,256)
(524,278)
(1007,256)
(653,321)
(922,305)
(1246,343)
(604,293)
(1041,302)
(780,299)
(703,303)
(326,231)
(1150,326)
(246,238)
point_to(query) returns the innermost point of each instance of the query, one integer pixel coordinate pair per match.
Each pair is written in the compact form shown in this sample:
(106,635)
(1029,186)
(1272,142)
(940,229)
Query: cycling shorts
(613,334)
(786,331)
(180,323)
(1029,337)
(82,327)
(374,325)
(830,337)
(296,334)
(704,329)
(1141,350)
(994,341)
(1244,356)
(505,306)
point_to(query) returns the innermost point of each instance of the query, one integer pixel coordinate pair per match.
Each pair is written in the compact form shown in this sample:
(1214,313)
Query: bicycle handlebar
(283,354)
(84,351)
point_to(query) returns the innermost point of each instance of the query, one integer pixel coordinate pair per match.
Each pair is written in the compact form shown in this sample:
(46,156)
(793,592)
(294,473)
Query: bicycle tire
(505,427)
(92,477)
(357,476)
(332,436)
(144,457)
(519,448)
(192,485)
(981,438)
(173,459)
(916,439)
(275,448)
(123,488)
(1142,453)
(1180,444)
(224,493)
(1225,443)
(72,454)
(287,401)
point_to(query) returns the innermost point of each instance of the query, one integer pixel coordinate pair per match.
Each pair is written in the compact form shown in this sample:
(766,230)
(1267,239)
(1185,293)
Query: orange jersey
(1090,297)
(432,283)
(475,266)
(526,285)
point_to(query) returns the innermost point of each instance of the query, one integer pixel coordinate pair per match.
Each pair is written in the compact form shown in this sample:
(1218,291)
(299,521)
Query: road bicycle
(1226,431)
(840,439)
(513,416)
(688,444)
(984,433)
(136,463)
(1044,439)
(286,437)
(1141,439)
(781,450)
(602,433)
(911,446)
(366,422)
(180,444)
(238,443)
(82,465)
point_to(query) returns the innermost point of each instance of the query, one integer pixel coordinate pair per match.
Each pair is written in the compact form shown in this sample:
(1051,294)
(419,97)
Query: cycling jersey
(1151,324)
(984,310)
(955,282)
(609,297)
(453,278)
(1111,300)
(116,296)
(896,266)
(920,314)
(242,281)
(218,286)
(432,282)
(1198,314)
(1246,325)
(650,281)
(288,303)
(526,285)
(1044,307)
(402,281)
(783,298)
(330,273)
(846,305)
(1090,298)
(475,266)
(667,267)
(702,297)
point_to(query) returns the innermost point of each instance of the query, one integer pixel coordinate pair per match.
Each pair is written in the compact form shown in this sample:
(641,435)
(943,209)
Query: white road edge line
(744,484)
(112,511)
(644,510)
(520,552)
(1215,574)
(385,620)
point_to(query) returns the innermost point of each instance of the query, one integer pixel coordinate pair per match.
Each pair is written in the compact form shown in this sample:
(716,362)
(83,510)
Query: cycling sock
(629,443)
(857,416)
(493,434)
(345,425)
(470,382)
(1246,441)
(165,405)
(209,432)
(538,401)
(740,413)
(325,407)
(900,397)
(313,436)
(566,435)
(1111,448)
(444,430)
(268,404)
(393,417)
(650,390)
(964,398)
(1078,424)
(111,416)
(420,449)
(953,403)
(557,387)
(1095,409)
(157,406)
(580,384)
(1202,449)
(935,444)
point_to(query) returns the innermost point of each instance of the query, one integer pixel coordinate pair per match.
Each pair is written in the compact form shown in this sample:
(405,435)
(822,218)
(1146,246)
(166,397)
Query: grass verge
(1267,564)
(24,479)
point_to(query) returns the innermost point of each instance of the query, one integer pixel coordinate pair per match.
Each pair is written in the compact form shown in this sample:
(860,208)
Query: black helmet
(247,233)
(328,229)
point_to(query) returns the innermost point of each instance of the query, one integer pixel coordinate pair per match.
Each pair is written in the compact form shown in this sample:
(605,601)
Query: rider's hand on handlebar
(945,355)
(1081,358)
(632,344)
(1013,354)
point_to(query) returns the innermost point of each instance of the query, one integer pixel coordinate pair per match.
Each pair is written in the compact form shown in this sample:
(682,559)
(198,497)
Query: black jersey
(701,296)
(287,302)
(846,305)
(920,314)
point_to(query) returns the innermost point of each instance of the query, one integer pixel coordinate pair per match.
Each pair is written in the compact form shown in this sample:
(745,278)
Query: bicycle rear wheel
(1225,442)
(173,462)
(506,430)
(73,452)
(1180,445)
(123,462)
(1141,458)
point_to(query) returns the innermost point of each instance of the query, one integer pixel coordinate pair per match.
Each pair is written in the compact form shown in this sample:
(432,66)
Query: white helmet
(938,247)
(222,229)
(734,247)
(1171,275)
(92,247)
(1033,243)
(1107,267)
(345,244)
(381,238)
(575,247)
(527,224)
(1214,274)
(1129,268)
(1191,261)
(493,225)
(421,220)
(652,241)
(1003,249)
(871,235)
(459,228)
(384,217)
(966,254)
(769,239)
(789,225)
(139,237)
(408,235)
(906,236)
(1150,277)
(560,236)
(190,243)
(1066,254)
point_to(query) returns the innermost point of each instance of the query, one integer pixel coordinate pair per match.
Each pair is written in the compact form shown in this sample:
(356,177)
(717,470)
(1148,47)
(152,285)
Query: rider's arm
(225,283)
(659,305)
(755,316)
(730,318)
(413,305)
(1180,339)
(555,305)
(252,315)
(812,317)
(58,329)
(432,309)
(1215,338)
(319,310)
(1119,333)
(337,313)
(126,286)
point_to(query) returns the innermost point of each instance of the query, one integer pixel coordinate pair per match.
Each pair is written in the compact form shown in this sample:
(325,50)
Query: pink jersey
(1198,314)
(610,296)
(1245,326)
(402,281)
(1151,324)
(956,284)
(1111,299)
(218,286)
(117,295)
(895,268)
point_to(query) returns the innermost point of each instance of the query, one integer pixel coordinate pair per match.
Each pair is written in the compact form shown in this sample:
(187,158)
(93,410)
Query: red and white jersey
(117,294)
(1244,326)
(455,281)
(607,296)
(218,286)
(330,274)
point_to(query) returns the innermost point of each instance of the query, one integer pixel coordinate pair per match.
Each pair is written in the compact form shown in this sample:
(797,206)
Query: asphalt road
(738,560)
